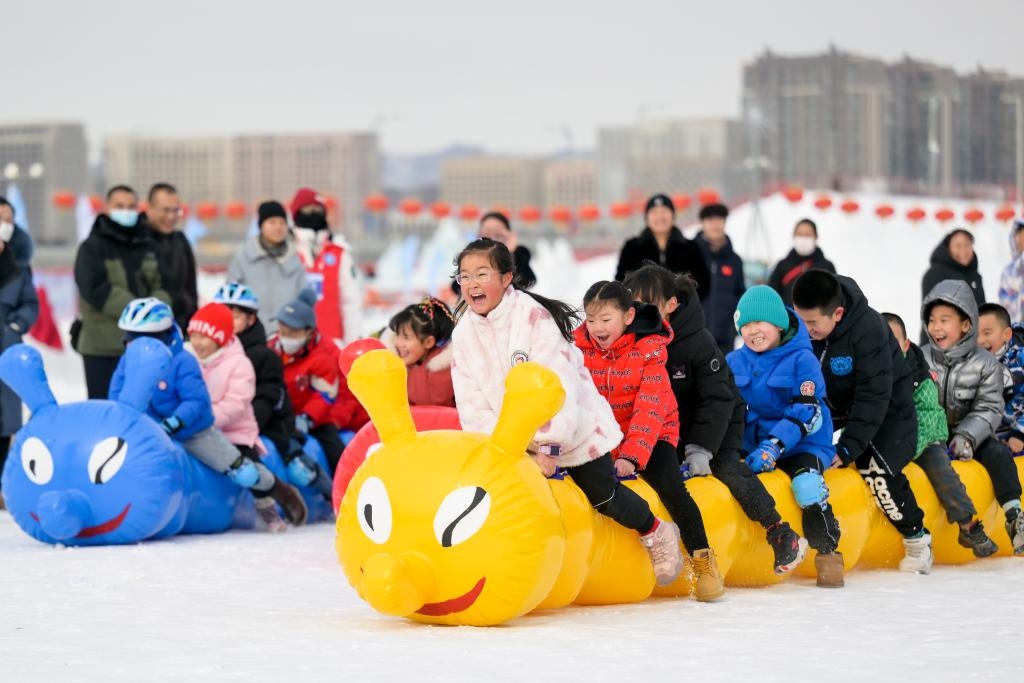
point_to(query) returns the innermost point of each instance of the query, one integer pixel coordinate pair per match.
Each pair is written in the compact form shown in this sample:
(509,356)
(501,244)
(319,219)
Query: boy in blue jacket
(181,405)
(788,424)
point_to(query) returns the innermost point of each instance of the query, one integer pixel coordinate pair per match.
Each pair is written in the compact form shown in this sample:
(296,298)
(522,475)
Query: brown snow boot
(708,587)
(291,502)
(830,569)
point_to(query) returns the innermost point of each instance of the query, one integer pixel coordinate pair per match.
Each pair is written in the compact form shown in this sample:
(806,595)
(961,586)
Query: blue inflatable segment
(102,472)
(320,508)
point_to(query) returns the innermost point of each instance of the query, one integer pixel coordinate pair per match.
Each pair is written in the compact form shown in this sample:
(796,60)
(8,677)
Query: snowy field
(248,606)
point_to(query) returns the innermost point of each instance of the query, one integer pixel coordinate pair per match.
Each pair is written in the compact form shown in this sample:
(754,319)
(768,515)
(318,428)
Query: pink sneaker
(662,545)
(267,517)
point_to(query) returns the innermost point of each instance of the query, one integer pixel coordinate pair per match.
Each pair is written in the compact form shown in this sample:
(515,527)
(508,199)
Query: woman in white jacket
(505,326)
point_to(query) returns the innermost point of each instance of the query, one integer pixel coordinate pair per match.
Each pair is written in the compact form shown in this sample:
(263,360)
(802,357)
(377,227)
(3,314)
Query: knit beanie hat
(660,200)
(271,209)
(761,303)
(306,196)
(299,313)
(213,321)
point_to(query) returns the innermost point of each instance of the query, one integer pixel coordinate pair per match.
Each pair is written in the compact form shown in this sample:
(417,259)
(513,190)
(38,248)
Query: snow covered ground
(248,606)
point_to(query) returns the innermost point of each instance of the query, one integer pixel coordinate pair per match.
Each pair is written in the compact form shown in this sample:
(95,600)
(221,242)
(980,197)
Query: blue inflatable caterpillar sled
(103,472)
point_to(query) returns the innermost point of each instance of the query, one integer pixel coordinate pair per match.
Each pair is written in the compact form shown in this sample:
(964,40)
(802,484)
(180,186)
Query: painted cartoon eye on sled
(103,472)
(451,527)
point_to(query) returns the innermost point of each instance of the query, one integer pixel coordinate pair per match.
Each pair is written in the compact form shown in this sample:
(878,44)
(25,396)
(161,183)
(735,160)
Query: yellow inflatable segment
(452,527)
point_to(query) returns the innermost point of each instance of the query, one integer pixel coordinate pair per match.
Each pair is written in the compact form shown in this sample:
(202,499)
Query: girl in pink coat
(505,326)
(229,376)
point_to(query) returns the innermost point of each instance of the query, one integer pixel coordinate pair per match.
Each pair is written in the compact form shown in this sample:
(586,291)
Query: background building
(42,159)
(570,182)
(493,181)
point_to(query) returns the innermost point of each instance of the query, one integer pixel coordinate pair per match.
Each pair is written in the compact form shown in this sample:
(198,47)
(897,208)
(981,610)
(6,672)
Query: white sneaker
(267,517)
(662,545)
(918,557)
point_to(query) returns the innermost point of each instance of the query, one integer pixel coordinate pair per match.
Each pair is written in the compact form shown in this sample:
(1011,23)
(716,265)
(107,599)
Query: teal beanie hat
(761,303)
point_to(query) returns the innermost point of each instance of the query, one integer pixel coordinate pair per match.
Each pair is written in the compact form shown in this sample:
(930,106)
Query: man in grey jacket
(970,383)
(268,264)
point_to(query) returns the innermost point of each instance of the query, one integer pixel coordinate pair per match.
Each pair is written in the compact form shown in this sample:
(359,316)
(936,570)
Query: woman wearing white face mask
(804,255)
(18,310)
(20,242)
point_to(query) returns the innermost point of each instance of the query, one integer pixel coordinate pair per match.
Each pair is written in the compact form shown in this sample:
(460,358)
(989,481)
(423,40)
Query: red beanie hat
(214,321)
(304,197)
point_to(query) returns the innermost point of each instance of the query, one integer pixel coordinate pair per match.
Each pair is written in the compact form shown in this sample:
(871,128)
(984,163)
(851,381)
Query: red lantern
(410,207)
(560,214)
(235,210)
(589,212)
(529,214)
(1005,213)
(943,215)
(377,203)
(469,212)
(884,211)
(440,210)
(64,200)
(850,206)
(707,196)
(822,202)
(330,202)
(207,211)
(143,206)
(681,202)
(621,210)
(916,214)
(793,194)
(97,203)
(974,215)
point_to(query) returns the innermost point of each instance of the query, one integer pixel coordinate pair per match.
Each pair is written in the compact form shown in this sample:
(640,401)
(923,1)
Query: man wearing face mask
(330,268)
(117,262)
(20,242)
(804,256)
(176,257)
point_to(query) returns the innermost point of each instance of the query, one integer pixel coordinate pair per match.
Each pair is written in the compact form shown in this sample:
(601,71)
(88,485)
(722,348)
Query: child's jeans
(213,449)
(934,460)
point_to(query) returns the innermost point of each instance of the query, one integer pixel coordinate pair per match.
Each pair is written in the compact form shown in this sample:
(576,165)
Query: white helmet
(146,315)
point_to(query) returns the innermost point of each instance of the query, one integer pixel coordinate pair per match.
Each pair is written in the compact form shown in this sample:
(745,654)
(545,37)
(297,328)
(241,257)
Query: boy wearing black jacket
(711,411)
(271,405)
(870,391)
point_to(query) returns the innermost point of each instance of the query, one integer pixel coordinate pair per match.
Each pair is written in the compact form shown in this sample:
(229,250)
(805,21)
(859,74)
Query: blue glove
(762,458)
(302,470)
(172,424)
(243,472)
(303,424)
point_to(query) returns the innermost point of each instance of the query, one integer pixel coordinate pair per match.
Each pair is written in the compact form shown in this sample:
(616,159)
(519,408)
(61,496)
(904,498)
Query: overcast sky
(510,76)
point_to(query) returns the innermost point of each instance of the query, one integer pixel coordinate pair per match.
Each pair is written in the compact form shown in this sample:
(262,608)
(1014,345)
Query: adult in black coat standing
(176,257)
(870,392)
(727,280)
(662,242)
(953,259)
(711,410)
(805,255)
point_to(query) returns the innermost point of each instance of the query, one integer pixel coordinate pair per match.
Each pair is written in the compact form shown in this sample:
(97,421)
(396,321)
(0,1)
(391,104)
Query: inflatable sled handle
(146,362)
(21,368)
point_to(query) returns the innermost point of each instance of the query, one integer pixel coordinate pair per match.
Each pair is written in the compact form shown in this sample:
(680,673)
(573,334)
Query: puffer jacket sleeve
(1014,388)
(802,415)
(931,418)
(549,348)
(628,260)
(716,394)
(986,412)
(323,385)
(104,290)
(475,413)
(26,310)
(240,388)
(191,389)
(269,388)
(652,406)
(873,378)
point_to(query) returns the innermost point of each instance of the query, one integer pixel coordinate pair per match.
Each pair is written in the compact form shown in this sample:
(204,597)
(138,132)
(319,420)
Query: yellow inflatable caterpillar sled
(451,527)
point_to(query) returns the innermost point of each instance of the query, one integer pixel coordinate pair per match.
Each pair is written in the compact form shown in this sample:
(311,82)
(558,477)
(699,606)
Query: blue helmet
(146,316)
(237,294)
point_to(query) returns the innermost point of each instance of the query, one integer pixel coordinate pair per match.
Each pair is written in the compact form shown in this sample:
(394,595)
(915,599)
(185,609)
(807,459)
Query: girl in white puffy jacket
(505,326)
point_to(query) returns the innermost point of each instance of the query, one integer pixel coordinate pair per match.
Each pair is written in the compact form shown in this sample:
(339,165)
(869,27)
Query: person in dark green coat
(932,436)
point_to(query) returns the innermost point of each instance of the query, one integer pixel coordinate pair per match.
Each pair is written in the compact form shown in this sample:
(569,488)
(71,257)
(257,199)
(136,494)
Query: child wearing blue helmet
(181,405)
(788,424)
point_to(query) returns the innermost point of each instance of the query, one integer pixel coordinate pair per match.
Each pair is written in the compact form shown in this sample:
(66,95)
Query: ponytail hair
(566,317)
(429,318)
(608,292)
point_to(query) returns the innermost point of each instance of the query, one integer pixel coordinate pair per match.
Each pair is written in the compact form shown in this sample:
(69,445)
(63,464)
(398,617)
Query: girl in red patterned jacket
(624,346)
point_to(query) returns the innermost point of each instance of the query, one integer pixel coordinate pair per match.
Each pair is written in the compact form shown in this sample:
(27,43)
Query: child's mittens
(302,470)
(961,447)
(303,424)
(698,459)
(762,458)
(172,424)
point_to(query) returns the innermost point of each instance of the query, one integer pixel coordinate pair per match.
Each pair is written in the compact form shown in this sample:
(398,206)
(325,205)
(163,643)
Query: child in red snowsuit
(624,348)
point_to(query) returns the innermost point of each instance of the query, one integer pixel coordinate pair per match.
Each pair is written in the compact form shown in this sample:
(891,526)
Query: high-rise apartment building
(493,181)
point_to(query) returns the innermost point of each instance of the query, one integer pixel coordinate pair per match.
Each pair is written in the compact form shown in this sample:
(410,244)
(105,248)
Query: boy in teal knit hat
(788,424)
